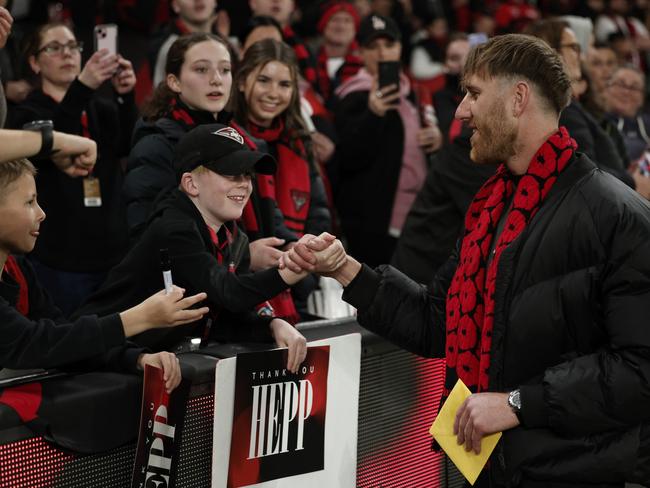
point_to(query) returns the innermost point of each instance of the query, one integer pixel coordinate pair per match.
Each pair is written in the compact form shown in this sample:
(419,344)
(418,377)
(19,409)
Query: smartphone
(388,73)
(106,37)
(477,38)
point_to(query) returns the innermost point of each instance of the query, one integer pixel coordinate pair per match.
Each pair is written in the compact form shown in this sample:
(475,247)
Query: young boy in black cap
(207,251)
(34,332)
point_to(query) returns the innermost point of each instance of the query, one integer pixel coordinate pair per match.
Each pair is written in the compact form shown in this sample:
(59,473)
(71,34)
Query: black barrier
(88,436)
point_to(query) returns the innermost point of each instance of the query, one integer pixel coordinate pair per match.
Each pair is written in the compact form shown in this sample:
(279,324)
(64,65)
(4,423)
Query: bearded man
(542,309)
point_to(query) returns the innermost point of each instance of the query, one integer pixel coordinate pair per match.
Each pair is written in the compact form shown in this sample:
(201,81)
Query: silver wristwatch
(514,402)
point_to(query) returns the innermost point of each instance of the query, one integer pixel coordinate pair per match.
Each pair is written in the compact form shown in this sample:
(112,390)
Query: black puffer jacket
(178,226)
(572,304)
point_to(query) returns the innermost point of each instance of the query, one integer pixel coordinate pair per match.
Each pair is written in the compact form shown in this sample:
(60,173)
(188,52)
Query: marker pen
(166,266)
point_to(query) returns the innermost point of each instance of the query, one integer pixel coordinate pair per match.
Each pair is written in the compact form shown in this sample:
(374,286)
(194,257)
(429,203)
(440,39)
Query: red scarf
(303,56)
(351,65)
(470,300)
(291,186)
(13,270)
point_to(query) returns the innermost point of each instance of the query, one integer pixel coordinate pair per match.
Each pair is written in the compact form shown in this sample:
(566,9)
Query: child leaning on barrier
(34,332)
(196,224)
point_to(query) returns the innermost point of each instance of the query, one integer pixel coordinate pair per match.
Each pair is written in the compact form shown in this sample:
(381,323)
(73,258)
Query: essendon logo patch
(300,198)
(279,417)
(230,133)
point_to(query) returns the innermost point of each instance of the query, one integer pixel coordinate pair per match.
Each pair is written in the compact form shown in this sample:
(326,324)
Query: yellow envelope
(442,429)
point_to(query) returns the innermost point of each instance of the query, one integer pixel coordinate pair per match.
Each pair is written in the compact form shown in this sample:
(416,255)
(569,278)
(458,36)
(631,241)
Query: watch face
(514,399)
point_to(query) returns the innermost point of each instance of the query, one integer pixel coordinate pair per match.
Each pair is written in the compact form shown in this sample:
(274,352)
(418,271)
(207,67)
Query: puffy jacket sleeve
(149,170)
(609,388)
(318,218)
(46,344)
(402,311)
(196,270)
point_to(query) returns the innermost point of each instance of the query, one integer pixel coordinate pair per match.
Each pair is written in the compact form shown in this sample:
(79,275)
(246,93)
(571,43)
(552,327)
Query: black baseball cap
(374,26)
(221,149)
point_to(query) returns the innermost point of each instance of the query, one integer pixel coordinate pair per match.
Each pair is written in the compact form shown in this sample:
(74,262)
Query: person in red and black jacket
(267,104)
(86,232)
(337,58)
(281,10)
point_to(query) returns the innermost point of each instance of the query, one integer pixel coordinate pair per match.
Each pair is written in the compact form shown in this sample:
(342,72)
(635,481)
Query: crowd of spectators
(385,167)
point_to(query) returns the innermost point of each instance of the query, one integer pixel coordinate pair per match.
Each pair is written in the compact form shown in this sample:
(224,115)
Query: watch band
(514,402)
(46,128)
(47,142)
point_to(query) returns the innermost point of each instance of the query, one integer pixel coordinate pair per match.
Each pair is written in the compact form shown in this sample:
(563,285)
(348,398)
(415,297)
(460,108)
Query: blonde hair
(10,171)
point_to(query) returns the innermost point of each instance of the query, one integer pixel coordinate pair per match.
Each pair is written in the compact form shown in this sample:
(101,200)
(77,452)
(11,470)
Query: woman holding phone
(382,147)
(85,233)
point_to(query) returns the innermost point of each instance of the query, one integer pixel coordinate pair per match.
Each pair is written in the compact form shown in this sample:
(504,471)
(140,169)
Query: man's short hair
(10,171)
(519,55)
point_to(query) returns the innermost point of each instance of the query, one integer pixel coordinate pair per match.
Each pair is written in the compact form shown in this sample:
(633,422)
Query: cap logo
(230,133)
(377,23)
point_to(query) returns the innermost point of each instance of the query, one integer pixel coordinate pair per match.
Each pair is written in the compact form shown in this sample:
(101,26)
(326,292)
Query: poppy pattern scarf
(470,299)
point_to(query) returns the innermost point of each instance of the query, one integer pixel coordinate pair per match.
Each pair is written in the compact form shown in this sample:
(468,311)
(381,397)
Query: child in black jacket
(196,223)
(33,330)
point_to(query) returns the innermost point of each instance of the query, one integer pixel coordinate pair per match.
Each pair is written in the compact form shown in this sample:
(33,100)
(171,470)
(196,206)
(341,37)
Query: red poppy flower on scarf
(548,184)
(482,226)
(479,279)
(527,195)
(478,316)
(514,225)
(467,334)
(495,213)
(467,367)
(453,307)
(467,296)
(561,140)
(544,163)
(452,350)
(473,260)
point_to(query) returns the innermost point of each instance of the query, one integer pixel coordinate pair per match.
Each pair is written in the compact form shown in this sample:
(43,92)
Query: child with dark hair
(35,334)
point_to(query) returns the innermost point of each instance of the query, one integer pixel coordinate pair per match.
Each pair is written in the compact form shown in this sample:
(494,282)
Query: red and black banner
(279,417)
(161,427)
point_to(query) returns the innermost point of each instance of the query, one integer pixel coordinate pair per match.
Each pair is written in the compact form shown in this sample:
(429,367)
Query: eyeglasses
(623,86)
(57,49)
(573,45)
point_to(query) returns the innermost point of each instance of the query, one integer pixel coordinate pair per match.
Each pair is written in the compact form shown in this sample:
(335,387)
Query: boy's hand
(168,362)
(286,335)
(264,253)
(162,310)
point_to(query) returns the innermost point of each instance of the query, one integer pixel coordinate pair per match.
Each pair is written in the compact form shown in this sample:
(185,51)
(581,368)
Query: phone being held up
(106,38)
(388,73)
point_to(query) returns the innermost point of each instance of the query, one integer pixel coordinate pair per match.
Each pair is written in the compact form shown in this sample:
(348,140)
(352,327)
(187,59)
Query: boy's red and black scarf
(470,299)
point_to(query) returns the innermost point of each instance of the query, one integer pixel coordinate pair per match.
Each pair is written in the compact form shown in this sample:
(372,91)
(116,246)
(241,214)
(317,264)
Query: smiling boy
(207,250)
(34,332)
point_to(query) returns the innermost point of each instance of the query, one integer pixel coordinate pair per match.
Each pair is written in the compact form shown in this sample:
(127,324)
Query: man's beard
(495,141)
